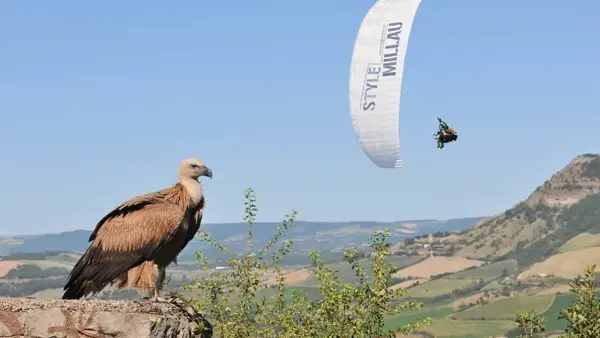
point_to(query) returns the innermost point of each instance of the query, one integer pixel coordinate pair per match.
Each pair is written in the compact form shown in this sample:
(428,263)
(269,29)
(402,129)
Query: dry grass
(567,265)
(6,266)
(436,266)
(480,223)
(291,278)
(408,283)
(581,241)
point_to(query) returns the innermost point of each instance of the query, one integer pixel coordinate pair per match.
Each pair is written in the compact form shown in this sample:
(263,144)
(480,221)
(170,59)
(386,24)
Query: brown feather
(145,228)
(142,277)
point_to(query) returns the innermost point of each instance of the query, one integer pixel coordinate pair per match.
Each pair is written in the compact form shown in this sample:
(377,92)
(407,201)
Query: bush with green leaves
(583,317)
(530,324)
(232,301)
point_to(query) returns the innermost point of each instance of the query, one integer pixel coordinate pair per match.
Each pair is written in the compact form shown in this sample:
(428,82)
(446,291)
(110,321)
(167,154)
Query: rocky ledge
(36,318)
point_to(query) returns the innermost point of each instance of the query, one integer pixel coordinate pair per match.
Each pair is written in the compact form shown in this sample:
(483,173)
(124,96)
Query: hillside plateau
(565,206)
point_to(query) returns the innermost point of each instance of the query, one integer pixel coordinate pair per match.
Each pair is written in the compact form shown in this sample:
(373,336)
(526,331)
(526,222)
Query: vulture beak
(207,172)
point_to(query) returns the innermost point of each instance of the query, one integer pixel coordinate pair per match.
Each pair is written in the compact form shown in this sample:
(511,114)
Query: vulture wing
(193,230)
(127,236)
(134,204)
(143,275)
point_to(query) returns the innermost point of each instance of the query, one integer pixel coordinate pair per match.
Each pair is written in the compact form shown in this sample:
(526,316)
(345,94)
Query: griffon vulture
(145,231)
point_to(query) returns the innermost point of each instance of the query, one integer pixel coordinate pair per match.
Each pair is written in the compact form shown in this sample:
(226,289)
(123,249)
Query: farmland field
(566,265)
(495,285)
(469,328)
(436,266)
(507,308)
(436,288)
(581,241)
(489,271)
(408,317)
(6,266)
(551,315)
(45,264)
(347,275)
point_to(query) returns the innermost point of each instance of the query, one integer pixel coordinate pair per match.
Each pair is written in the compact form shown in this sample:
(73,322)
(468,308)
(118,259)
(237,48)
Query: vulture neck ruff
(193,188)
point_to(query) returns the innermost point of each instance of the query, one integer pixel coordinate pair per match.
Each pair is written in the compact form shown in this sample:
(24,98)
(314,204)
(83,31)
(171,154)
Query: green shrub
(591,169)
(530,324)
(231,302)
(583,317)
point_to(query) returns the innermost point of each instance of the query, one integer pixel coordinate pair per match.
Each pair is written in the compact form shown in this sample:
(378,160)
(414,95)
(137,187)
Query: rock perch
(36,318)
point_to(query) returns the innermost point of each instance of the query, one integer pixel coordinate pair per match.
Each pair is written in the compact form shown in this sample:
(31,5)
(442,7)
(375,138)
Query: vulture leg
(153,293)
(160,279)
(149,295)
(154,296)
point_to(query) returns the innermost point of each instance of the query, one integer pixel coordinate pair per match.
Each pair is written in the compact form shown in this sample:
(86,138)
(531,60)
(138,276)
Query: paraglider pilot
(445,134)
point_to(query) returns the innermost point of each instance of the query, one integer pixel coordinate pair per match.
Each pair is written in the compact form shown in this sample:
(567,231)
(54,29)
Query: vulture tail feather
(96,269)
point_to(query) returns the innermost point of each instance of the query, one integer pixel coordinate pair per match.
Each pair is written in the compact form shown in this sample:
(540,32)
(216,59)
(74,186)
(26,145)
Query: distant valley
(473,275)
(329,238)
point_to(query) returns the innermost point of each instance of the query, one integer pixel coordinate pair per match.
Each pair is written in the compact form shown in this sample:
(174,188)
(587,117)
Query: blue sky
(100,101)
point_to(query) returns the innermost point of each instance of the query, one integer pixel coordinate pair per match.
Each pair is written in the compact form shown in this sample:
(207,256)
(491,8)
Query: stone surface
(35,318)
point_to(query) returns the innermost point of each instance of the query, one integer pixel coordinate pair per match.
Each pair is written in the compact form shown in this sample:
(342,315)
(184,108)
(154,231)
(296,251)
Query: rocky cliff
(564,206)
(34,318)
(579,179)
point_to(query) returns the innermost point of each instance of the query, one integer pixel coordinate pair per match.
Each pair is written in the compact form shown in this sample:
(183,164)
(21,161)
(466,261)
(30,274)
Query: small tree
(232,302)
(583,316)
(531,324)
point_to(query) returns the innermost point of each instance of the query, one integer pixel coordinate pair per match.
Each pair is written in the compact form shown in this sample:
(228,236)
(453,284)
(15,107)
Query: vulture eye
(195,166)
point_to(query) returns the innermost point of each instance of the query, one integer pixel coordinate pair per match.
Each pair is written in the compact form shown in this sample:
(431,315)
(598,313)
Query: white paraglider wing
(376,79)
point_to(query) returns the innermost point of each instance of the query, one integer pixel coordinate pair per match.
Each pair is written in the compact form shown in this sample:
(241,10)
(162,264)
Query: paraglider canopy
(376,79)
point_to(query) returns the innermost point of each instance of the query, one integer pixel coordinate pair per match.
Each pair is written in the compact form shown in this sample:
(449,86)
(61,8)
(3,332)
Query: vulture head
(193,168)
